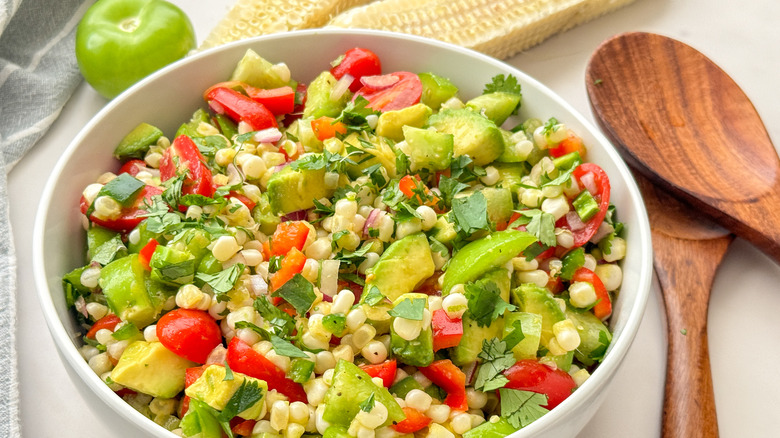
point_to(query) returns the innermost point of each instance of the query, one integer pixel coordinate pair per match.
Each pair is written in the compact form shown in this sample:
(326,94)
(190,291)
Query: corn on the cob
(497,28)
(249,18)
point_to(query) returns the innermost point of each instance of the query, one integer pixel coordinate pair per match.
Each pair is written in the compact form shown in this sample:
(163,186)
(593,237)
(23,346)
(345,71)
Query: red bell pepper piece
(183,156)
(385,370)
(451,379)
(292,264)
(572,143)
(447,332)
(108,322)
(243,198)
(357,62)
(145,254)
(603,307)
(277,100)
(240,108)
(414,421)
(243,359)
(130,216)
(583,234)
(133,167)
(242,427)
(190,376)
(403,93)
(289,235)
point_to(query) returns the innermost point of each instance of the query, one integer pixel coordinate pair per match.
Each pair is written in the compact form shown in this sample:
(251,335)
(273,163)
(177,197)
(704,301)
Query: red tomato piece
(190,376)
(242,427)
(530,375)
(133,167)
(447,332)
(414,421)
(289,235)
(240,108)
(451,379)
(183,156)
(145,254)
(385,370)
(583,234)
(357,62)
(410,184)
(603,307)
(130,216)
(108,322)
(243,359)
(324,128)
(572,143)
(277,100)
(191,334)
(404,93)
(243,198)
(292,264)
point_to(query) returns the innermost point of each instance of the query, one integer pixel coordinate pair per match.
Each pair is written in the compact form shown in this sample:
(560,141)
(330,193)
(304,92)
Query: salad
(368,255)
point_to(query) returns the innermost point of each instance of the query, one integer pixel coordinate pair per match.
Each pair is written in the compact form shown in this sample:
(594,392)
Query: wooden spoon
(687,251)
(686,125)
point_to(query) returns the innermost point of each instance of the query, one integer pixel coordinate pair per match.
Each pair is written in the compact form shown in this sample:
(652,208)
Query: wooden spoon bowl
(682,122)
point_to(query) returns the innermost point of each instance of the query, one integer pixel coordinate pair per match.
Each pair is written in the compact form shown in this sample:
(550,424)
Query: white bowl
(169,97)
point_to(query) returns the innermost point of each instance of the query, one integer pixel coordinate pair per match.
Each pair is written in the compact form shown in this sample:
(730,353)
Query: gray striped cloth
(38,73)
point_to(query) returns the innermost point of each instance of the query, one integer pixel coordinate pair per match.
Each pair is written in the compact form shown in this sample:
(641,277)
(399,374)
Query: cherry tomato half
(183,156)
(357,62)
(583,233)
(130,216)
(603,307)
(191,334)
(405,92)
(530,375)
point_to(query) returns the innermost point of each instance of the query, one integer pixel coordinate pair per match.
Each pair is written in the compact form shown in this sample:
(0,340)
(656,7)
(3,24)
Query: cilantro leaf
(109,250)
(228,372)
(462,169)
(485,302)
(409,308)
(550,126)
(281,322)
(506,84)
(127,331)
(368,404)
(299,292)
(300,370)
(401,162)
(247,395)
(355,257)
(469,213)
(280,346)
(223,281)
(374,296)
(496,359)
(515,335)
(521,408)
(598,353)
(355,113)
(450,187)
(541,225)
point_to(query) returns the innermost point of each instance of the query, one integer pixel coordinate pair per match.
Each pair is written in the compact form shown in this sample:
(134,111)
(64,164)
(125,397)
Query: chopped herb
(300,370)
(349,276)
(496,358)
(355,113)
(462,169)
(280,321)
(127,331)
(323,210)
(684,332)
(485,302)
(401,162)
(469,213)
(353,257)
(450,187)
(180,273)
(109,250)
(521,408)
(515,336)
(280,346)
(326,160)
(374,296)
(247,395)
(123,189)
(550,126)
(506,84)
(228,373)
(368,404)
(299,292)
(275,263)
(409,308)
(375,173)
(598,81)
(223,281)
(335,323)
(598,353)
(541,225)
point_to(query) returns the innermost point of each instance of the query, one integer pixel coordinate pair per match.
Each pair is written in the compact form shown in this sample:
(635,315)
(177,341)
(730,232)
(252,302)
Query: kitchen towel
(38,73)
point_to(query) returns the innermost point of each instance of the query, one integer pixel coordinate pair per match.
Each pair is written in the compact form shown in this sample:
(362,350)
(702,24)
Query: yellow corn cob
(497,28)
(249,18)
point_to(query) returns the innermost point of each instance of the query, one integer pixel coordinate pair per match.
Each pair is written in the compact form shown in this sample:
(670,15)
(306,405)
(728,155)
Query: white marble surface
(740,36)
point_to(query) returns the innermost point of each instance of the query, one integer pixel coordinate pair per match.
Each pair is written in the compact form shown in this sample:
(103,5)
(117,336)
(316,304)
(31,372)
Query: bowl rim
(594,384)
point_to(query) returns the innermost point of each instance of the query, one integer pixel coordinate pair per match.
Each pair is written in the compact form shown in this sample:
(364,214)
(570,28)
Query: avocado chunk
(351,387)
(444,230)
(510,175)
(401,267)
(391,123)
(151,368)
(474,135)
(137,142)
(318,98)
(531,325)
(427,149)
(498,106)
(489,429)
(403,386)
(96,237)
(534,299)
(594,336)
(517,147)
(292,190)
(436,90)
(124,284)
(336,432)
(212,388)
(473,334)
(418,351)
(264,216)
(257,72)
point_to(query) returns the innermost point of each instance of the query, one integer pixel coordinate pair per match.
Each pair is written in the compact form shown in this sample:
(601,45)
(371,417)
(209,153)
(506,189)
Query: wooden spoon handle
(686,269)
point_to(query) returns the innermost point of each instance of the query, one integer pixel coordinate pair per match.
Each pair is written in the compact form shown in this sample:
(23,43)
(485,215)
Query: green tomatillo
(119,42)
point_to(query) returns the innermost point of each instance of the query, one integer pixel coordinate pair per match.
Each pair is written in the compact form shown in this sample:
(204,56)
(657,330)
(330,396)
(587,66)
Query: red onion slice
(341,87)
(269,135)
(379,82)
(574,221)
(81,306)
(217,356)
(589,181)
(258,285)
(299,215)
(371,220)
